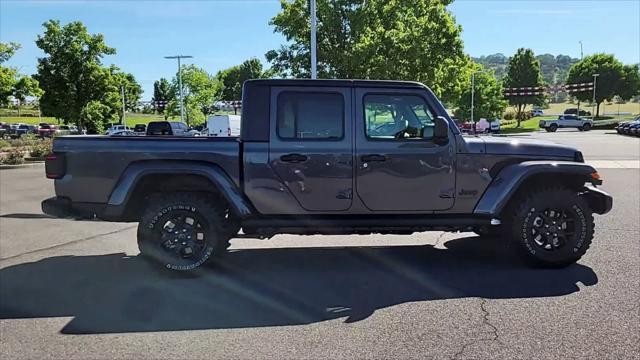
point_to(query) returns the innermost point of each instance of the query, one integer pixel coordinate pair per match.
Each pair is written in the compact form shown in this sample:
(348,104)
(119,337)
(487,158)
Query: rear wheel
(182,231)
(551,227)
(586,127)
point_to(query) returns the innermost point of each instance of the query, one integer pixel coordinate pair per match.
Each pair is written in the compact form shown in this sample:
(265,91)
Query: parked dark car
(625,128)
(140,128)
(169,128)
(634,129)
(5,131)
(312,158)
(620,126)
(24,129)
(574,111)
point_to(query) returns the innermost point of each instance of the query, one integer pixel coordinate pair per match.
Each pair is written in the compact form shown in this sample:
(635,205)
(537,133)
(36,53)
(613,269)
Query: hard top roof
(337,83)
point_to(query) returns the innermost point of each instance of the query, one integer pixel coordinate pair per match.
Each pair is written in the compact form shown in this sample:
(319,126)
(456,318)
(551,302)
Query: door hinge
(346,194)
(447,194)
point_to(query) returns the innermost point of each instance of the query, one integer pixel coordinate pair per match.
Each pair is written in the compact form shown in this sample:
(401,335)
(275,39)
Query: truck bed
(96,162)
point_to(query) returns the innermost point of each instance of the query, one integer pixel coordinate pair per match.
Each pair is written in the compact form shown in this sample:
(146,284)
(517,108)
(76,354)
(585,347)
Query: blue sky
(223,33)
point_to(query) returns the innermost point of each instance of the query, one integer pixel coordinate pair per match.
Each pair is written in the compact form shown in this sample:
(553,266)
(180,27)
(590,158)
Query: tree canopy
(161,95)
(7,50)
(8,75)
(523,71)
(614,78)
(231,79)
(12,83)
(375,39)
(72,75)
(199,90)
(488,101)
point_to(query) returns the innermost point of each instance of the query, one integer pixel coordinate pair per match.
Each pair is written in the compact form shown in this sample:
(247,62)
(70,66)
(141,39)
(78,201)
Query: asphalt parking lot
(78,289)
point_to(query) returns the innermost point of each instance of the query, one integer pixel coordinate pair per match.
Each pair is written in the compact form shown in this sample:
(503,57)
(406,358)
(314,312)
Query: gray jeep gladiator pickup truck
(330,157)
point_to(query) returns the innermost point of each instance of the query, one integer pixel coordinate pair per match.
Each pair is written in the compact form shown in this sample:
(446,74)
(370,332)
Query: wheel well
(570,181)
(152,184)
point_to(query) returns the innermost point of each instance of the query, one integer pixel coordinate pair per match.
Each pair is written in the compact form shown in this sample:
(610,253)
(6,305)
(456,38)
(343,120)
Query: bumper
(61,207)
(599,201)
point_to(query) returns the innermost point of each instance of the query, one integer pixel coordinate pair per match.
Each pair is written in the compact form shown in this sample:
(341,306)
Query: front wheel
(553,127)
(586,127)
(182,231)
(551,227)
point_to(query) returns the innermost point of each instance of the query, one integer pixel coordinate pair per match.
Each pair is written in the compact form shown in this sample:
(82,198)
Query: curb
(21,166)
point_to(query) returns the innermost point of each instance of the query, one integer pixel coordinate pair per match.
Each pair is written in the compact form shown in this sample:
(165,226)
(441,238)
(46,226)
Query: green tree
(71,73)
(7,50)
(488,101)
(8,75)
(12,84)
(630,85)
(523,71)
(26,86)
(610,81)
(232,79)
(161,95)
(95,116)
(375,39)
(199,91)
(132,90)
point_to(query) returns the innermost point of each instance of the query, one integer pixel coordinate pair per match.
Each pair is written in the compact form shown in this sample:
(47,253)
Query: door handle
(373,157)
(294,158)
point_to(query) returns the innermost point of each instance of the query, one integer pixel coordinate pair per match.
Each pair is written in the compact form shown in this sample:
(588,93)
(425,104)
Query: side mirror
(441,130)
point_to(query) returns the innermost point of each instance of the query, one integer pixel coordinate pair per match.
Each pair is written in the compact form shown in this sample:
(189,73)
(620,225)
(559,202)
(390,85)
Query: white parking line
(614,164)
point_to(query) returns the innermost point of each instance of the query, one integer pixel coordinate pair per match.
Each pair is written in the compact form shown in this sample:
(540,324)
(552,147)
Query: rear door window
(310,116)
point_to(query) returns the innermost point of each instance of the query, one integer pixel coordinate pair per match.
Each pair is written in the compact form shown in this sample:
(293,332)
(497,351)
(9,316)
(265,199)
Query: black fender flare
(122,192)
(507,182)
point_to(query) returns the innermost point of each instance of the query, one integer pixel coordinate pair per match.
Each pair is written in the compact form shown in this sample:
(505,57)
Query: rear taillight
(55,166)
(229,131)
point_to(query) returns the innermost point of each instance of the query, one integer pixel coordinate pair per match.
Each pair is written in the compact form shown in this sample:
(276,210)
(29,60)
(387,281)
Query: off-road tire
(525,212)
(553,127)
(586,127)
(206,217)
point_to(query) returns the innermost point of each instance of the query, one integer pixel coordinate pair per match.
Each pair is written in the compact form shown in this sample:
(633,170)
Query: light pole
(124,121)
(312,10)
(581,54)
(180,80)
(593,111)
(473,88)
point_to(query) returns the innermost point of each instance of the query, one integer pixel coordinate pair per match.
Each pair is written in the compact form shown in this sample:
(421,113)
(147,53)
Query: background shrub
(41,149)
(13,157)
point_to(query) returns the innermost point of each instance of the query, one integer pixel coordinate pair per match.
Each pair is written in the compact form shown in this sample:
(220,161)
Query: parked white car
(117,129)
(223,125)
(566,121)
(484,126)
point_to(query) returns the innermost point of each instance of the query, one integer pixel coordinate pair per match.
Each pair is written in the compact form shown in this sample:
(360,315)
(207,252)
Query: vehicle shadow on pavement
(26,216)
(269,287)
